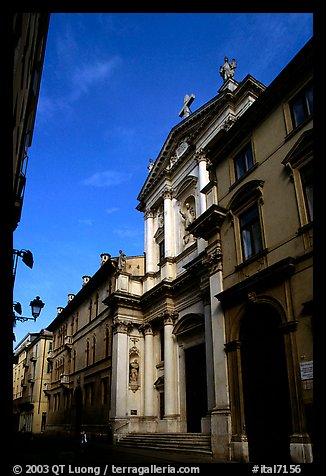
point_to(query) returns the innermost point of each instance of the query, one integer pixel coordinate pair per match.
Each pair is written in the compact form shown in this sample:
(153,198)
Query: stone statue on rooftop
(121,261)
(227,70)
(151,165)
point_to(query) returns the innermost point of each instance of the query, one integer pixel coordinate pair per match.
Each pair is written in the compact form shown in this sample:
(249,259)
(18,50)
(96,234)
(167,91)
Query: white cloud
(89,74)
(127,232)
(85,221)
(107,178)
(112,210)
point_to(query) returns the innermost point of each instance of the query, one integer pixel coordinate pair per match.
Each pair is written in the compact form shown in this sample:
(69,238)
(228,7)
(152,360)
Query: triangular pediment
(182,139)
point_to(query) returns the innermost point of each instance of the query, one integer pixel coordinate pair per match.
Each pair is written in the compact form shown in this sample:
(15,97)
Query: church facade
(211,330)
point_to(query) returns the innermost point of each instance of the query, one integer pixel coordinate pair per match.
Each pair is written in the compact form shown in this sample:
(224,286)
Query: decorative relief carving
(149,213)
(252,296)
(121,326)
(167,193)
(160,217)
(200,155)
(146,329)
(169,317)
(213,260)
(134,355)
(229,121)
(182,148)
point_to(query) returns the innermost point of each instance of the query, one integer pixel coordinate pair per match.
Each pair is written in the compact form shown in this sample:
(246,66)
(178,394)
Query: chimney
(104,258)
(86,279)
(60,309)
(70,297)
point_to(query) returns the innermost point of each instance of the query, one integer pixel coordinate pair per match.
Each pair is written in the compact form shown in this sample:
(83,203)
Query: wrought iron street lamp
(36,306)
(26,256)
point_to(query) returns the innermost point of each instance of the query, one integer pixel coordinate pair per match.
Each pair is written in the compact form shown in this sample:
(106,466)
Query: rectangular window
(302,106)
(161,250)
(161,405)
(162,343)
(89,394)
(307,186)
(105,391)
(251,238)
(243,161)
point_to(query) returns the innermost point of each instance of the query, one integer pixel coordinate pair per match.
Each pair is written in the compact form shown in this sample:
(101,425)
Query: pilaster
(170,387)
(119,370)
(168,224)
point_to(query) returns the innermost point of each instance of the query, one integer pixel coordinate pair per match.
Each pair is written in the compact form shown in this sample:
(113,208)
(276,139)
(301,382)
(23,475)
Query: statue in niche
(133,371)
(227,70)
(160,218)
(189,215)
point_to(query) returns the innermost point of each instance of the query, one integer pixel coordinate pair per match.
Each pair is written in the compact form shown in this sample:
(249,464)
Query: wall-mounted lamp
(36,306)
(26,256)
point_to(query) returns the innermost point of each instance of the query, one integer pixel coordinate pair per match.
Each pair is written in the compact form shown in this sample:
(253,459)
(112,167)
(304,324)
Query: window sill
(305,228)
(243,177)
(296,129)
(252,259)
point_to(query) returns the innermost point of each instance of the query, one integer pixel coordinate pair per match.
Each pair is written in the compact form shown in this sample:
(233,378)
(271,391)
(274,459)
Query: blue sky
(111,90)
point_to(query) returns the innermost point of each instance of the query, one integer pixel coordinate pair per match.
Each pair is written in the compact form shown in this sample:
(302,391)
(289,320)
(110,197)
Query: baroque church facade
(210,332)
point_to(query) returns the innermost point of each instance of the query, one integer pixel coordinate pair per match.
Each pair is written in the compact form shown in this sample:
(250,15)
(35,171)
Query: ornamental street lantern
(36,306)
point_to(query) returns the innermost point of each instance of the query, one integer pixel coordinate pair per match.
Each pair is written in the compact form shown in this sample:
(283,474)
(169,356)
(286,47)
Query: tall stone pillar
(168,224)
(170,390)
(149,371)
(149,241)
(203,178)
(221,431)
(209,356)
(119,371)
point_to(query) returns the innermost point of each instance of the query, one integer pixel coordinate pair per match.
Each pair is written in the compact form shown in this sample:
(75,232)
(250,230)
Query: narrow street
(50,450)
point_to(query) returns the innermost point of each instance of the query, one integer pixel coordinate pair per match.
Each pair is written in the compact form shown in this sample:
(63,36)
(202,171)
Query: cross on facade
(185,111)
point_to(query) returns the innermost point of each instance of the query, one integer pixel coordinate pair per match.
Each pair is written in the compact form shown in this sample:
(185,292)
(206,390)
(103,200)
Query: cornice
(208,223)
(261,280)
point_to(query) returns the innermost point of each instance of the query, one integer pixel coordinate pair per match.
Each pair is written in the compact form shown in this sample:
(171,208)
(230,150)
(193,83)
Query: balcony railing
(64,379)
(68,342)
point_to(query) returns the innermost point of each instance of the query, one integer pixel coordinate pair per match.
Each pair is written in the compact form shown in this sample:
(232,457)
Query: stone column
(168,224)
(300,443)
(119,370)
(149,241)
(209,356)
(169,368)
(149,371)
(239,442)
(220,415)
(203,178)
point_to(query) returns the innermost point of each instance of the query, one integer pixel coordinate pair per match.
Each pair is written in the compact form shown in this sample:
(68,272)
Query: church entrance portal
(196,387)
(265,385)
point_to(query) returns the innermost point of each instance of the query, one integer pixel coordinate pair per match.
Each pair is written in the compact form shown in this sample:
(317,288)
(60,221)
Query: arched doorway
(265,385)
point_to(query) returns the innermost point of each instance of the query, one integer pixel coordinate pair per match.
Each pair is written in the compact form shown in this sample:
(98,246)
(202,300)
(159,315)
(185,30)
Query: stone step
(187,442)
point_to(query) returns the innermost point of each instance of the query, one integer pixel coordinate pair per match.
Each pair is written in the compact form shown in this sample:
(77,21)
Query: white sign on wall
(307,370)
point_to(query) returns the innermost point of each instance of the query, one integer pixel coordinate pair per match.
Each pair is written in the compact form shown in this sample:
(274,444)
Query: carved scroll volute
(214,260)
